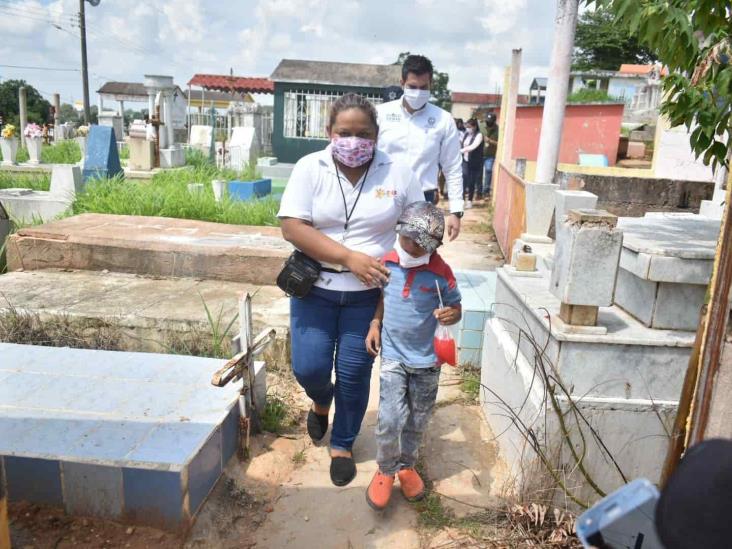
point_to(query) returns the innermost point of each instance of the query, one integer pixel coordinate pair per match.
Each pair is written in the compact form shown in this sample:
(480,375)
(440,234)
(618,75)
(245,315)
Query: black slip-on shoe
(342,470)
(317,426)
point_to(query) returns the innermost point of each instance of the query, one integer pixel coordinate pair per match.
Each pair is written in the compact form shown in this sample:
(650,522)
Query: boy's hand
(373,339)
(448,315)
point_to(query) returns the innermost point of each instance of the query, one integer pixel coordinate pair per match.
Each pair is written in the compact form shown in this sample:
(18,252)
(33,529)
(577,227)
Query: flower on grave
(82,131)
(8,131)
(33,131)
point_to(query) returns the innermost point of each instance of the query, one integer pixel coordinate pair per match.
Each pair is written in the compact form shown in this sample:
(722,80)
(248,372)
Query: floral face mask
(352,151)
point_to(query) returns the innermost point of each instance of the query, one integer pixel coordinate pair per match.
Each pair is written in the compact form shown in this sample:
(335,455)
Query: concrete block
(247,190)
(524,261)
(66,182)
(636,149)
(92,490)
(539,207)
(578,315)
(173,157)
(571,200)
(586,259)
(678,306)
(28,206)
(142,154)
(230,435)
(636,296)
(267,161)
(101,159)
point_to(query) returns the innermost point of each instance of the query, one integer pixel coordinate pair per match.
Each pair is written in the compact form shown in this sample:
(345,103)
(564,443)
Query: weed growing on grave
(219,332)
(29,329)
(15,180)
(470,384)
(167,195)
(274,416)
(298,458)
(63,152)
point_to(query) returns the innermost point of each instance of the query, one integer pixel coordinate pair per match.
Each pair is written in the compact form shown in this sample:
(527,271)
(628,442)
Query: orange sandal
(378,493)
(411,484)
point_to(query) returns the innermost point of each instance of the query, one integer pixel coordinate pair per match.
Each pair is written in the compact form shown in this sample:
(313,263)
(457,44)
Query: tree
(440,81)
(600,43)
(692,38)
(68,114)
(38,107)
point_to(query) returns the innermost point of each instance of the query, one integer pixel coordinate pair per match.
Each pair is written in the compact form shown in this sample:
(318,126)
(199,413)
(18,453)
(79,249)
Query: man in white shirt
(425,137)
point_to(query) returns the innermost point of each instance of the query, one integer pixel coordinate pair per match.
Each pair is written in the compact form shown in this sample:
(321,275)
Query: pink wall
(591,129)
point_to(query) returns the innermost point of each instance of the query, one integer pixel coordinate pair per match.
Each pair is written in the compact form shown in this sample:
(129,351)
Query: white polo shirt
(313,194)
(425,140)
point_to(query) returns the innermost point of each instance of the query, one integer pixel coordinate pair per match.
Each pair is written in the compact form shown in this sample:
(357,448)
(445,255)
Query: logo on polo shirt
(382,193)
(431,121)
(393,117)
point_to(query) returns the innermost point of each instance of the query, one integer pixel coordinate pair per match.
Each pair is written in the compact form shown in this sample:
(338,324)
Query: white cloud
(469,39)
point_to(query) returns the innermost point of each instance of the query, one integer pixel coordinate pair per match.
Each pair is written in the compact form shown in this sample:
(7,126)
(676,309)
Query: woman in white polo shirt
(340,207)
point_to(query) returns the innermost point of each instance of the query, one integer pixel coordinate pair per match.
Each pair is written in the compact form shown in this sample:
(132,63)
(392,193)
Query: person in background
(460,125)
(425,137)
(491,143)
(472,152)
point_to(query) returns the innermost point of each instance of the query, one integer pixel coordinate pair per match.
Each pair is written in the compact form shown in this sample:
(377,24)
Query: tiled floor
(478,289)
(103,433)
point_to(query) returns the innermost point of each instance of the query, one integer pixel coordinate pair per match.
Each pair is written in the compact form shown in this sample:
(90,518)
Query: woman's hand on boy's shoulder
(447,316)
(373,338)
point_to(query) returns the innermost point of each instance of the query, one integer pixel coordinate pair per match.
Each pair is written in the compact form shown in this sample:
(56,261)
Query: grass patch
(470,384)
(589,95)
(63,152)
(432,514)
(167,195)
(298,458)
(35,181)
(275,415)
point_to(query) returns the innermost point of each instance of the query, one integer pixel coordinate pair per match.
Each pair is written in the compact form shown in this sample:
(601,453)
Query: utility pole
(84,68)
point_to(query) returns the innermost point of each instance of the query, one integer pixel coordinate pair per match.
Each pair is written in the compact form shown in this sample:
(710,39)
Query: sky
(471,40)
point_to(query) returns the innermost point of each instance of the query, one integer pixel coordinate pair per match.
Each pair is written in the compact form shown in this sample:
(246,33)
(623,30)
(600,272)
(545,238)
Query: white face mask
(409,261)
(416,98)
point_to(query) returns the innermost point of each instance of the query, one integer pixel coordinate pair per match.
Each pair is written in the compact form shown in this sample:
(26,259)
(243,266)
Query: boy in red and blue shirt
(403,329)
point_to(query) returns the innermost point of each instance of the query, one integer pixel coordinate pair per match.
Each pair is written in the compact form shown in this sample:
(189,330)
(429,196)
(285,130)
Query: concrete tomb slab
(152,246)
(665,266)
(128,436)
(101,159)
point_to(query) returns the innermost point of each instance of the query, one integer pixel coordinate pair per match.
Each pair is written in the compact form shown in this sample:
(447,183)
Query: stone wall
(634,196)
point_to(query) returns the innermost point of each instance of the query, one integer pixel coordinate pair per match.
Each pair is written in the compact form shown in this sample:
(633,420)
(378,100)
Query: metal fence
(225,124)
(306,112)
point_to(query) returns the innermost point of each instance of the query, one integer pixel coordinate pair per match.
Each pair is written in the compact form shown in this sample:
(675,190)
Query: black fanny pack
(298,275)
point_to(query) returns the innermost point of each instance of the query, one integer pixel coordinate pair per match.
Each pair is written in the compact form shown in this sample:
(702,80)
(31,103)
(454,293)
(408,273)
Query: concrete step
(151,246)
(136,313)
(279,170)
(129,436)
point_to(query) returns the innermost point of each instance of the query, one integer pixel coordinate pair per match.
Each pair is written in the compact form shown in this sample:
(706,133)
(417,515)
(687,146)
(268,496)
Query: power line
(39,68)
(30,10)
(39,18)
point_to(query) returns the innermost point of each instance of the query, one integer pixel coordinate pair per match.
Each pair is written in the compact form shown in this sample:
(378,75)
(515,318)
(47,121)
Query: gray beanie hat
(424,223)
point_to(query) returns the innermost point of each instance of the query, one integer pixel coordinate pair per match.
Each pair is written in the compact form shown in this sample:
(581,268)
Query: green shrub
(36,181)
(589,95)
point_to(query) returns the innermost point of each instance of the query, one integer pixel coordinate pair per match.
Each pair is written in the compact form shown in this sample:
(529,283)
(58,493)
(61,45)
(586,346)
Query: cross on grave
(243,367)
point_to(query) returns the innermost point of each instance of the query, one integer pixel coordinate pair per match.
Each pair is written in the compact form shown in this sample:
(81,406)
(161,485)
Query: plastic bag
(445,347)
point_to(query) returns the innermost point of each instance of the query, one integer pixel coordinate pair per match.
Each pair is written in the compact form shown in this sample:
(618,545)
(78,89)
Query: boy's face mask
(407,260)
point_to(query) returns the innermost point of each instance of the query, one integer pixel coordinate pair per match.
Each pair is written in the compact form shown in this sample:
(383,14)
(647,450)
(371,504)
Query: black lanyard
(343,194)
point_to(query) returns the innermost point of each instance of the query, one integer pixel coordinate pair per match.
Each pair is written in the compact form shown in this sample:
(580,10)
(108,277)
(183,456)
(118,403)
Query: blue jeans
(430,196)
(329,328)
(488,175)
(406,399)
